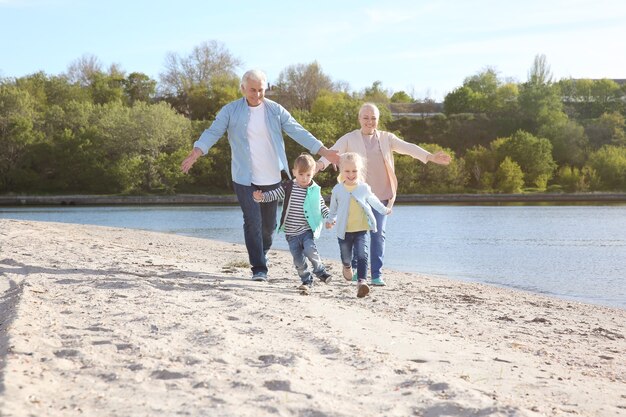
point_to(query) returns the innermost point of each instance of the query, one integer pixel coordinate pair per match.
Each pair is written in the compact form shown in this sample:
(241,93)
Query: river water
(571,252)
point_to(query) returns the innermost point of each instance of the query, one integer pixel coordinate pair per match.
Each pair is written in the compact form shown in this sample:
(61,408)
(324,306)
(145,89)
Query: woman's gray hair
(254,75)
(371,106)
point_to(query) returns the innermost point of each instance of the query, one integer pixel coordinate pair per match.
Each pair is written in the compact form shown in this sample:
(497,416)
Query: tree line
(93,130)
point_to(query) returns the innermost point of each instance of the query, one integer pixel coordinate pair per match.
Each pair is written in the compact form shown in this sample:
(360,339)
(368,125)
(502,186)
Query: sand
(98,321)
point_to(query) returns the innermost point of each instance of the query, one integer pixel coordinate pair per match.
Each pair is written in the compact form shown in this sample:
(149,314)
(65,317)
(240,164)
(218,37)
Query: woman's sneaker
(347,273)
(362,289)
(378,282)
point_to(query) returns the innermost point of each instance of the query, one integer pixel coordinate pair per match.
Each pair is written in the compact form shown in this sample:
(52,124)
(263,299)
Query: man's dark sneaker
(259,276)
(325,277)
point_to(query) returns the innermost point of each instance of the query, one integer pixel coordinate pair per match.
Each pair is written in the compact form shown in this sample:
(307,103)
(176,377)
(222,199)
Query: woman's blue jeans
(259,223)
(355,247)
(377,244)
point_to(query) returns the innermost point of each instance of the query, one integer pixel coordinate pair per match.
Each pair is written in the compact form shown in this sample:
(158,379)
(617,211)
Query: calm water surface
(572,252)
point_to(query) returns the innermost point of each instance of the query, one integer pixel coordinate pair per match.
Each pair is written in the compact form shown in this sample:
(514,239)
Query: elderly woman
(377,147)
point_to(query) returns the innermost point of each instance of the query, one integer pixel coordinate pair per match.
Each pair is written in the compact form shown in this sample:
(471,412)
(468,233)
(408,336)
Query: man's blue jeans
(355,247)
(377,244)
(302,247)
(259,223)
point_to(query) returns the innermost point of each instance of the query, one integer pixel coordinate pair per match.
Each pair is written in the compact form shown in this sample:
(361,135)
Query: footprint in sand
(278,385)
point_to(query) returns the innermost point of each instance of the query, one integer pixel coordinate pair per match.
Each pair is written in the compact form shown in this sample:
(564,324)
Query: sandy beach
(98,321)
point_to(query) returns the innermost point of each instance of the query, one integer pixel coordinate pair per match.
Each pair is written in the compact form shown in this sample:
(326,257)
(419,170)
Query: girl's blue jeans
(355,246)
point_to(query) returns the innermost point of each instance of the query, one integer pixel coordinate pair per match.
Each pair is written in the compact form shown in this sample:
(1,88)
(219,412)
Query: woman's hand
(440,158)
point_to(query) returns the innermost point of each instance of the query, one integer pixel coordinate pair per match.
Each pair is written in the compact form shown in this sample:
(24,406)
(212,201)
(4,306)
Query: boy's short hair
(304,163)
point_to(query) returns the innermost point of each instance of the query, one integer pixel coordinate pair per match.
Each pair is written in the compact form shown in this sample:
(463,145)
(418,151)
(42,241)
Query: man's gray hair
(254,75)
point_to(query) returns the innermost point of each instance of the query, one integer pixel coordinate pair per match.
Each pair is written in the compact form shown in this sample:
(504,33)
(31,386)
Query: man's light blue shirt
(233,119)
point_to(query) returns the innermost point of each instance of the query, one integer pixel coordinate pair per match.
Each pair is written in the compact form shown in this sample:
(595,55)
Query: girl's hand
(257,195)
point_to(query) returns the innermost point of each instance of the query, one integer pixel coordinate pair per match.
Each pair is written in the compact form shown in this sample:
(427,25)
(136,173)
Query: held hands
(329,225)
(330,154)
(257,196)
(389,211)
(440,158)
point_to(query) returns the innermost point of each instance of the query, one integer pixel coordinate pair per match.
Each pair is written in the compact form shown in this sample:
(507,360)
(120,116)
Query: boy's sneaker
(347,273)
(305,287)
(354,277)
(378,282)
(362,288)
(325,277)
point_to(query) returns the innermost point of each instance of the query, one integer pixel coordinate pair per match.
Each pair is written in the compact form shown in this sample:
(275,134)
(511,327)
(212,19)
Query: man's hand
(257,196)
(191,159)
(330,154)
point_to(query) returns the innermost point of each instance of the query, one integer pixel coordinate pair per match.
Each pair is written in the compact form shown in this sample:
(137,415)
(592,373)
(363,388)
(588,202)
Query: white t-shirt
(265,163)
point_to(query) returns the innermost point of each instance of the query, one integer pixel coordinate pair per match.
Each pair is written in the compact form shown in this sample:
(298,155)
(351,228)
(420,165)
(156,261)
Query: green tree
(509,177)
(298,86)
(574,179)
(539,99)
(416,177)
(209,69)
(610,164)
(133,138)
(17,136)
(401,97)
(376,93)
(588,99)
(608,129)
(532,154)
(569,142)
(480,164)
(139,87)
(461,100)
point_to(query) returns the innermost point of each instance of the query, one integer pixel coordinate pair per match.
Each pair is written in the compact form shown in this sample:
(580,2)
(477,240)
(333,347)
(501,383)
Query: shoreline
(112,321)
(204,199)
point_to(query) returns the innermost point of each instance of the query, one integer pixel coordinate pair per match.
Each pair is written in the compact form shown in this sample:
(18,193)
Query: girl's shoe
(362,289)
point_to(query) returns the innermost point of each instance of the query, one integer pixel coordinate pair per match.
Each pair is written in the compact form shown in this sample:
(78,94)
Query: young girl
(351,212)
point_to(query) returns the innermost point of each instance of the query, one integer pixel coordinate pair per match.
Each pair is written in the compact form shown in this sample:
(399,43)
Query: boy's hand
(257,195)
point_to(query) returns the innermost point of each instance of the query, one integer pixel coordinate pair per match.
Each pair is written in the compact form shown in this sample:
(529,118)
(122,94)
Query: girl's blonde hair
(304,163)
(353,158)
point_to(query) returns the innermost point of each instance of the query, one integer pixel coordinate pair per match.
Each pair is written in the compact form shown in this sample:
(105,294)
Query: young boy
(302,218)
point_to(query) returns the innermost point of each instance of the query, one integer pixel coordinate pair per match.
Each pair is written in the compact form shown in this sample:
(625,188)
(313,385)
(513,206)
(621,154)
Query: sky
(425,48)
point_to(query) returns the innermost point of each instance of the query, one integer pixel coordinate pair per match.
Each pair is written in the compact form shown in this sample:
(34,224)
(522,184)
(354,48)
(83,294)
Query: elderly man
(255,125)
